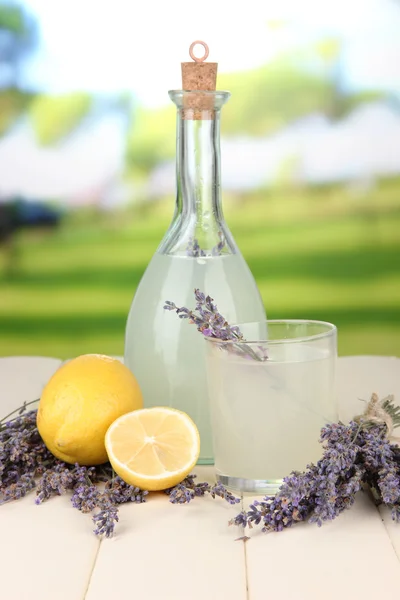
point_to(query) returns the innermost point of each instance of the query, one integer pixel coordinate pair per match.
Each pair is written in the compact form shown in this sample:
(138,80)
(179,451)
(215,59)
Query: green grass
(321,255)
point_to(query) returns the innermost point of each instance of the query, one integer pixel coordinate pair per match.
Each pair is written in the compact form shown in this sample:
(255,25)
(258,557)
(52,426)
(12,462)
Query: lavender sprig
(212,324)
(208,320)
(119,492)
(184,492)
(188,489)
(105,521)
(85,497)
(217,250)
(193,248)
(19,489)
(221,491)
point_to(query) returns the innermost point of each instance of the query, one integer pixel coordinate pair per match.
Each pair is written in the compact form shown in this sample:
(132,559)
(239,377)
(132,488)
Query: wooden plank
(393,530)
(351,557)
(173,552)
(47,552)
(23,379)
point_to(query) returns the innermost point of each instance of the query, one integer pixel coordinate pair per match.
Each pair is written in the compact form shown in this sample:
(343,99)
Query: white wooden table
(160,550)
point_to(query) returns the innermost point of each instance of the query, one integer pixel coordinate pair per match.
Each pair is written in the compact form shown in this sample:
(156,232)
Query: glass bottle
(167,354)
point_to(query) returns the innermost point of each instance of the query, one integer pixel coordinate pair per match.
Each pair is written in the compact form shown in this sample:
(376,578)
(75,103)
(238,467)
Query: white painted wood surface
(49,552)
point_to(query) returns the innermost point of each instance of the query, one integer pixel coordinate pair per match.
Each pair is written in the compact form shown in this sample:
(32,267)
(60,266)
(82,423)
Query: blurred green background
(86,181)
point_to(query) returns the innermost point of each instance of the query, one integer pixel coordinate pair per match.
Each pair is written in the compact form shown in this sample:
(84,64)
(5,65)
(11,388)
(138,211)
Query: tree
(54,117)
(151,138)
(18,37)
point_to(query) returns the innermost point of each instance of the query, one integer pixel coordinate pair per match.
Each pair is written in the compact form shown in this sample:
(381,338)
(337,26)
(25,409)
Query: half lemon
(153,448)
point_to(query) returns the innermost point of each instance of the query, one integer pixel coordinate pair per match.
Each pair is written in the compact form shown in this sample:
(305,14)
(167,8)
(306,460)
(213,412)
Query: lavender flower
(200,489)
(222,492)
(180,494)
(55,482)
(188,489)
(85,497)
(105,521)
(376,449)
(84,474)
(217,250)
(389,484)
(19,489)
(396,513)
(193,248)
(119,492)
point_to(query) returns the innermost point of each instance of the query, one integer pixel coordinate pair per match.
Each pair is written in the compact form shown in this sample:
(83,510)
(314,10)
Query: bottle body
(167,354)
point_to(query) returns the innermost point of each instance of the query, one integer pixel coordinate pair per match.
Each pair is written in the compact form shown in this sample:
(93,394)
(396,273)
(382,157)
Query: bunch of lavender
(26,464)
(357,455)
(212,324)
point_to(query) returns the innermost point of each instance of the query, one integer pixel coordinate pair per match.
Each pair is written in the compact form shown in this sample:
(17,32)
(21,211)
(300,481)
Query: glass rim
(331,330)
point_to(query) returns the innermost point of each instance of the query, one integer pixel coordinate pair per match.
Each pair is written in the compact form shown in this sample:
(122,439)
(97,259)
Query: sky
(104,46)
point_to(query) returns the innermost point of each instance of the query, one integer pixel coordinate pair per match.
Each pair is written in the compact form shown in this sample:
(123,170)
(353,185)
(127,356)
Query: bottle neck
(198,227)
(198,169)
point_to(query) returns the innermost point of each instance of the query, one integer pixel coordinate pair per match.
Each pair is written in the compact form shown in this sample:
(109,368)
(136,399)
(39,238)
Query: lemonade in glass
(269,398)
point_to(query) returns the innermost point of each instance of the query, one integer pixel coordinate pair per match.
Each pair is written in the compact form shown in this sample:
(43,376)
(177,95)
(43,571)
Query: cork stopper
(199,76)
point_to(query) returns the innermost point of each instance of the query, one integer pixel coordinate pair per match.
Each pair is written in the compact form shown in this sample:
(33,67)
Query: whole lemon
(79,403)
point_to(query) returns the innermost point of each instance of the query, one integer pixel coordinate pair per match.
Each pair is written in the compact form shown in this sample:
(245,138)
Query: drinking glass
(269,397)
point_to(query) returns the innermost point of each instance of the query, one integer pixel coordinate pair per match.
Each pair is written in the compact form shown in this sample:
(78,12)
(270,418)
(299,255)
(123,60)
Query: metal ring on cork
(206,51)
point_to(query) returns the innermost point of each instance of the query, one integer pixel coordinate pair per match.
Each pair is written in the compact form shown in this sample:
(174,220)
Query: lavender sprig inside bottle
(193,247)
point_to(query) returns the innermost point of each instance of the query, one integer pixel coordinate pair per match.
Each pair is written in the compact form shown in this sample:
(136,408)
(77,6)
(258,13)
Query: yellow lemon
(79,403)
(153,448)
